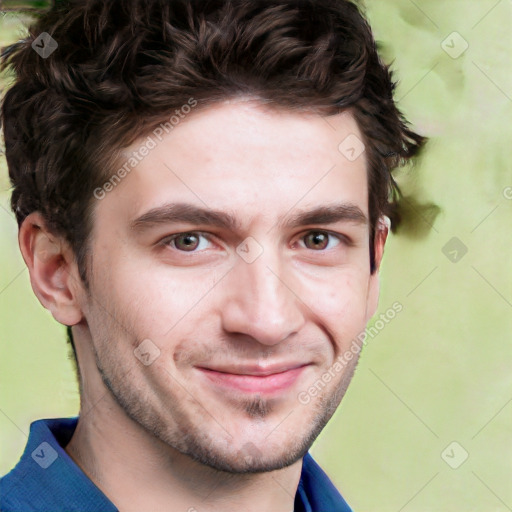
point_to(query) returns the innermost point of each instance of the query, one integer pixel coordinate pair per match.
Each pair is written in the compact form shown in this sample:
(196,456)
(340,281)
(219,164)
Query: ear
(53,272)
(381,235)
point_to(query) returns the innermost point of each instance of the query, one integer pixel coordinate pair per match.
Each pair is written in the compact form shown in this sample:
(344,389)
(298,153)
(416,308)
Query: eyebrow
(196,215)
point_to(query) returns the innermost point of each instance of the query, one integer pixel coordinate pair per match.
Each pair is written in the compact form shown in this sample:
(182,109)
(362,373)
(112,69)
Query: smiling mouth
(254,379)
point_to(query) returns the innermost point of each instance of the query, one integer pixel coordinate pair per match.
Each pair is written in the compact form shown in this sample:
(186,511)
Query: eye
(320,240)
(186,242)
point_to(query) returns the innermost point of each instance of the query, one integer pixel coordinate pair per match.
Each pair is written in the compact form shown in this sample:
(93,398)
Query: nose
(259,302)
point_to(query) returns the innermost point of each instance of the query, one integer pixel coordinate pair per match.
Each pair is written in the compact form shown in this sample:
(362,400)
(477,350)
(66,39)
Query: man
(203,192)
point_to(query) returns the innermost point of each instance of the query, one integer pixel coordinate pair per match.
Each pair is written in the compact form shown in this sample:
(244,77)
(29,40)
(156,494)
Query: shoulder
(12,491)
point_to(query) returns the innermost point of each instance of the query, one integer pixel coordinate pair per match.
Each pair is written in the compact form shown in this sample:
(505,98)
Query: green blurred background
(440,372)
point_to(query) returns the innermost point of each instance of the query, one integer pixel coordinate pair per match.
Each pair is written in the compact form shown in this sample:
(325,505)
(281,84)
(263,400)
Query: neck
(139,472)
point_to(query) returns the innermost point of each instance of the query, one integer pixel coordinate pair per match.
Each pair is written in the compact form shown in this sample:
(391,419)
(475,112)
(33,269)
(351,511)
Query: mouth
(254,379)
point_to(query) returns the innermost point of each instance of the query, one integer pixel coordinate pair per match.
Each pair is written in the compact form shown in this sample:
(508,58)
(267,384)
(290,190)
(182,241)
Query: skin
(162,436)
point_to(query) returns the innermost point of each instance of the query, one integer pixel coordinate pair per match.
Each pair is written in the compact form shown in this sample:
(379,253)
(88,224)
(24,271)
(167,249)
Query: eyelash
(341,239)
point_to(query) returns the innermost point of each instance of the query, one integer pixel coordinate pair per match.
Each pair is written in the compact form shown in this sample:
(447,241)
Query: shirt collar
(316,493)
(46,478)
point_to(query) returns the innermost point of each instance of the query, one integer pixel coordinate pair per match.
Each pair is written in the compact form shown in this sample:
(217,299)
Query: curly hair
(122,66)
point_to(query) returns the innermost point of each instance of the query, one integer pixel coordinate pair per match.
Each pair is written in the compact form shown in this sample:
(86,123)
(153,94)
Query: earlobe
(52,269)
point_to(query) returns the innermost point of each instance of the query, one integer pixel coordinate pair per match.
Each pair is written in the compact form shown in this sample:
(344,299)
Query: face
(230,272)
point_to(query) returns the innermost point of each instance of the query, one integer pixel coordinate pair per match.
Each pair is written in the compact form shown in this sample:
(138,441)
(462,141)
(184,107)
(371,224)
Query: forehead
(240,157)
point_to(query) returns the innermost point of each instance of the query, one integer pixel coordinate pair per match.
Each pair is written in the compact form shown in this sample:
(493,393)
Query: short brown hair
(121,67)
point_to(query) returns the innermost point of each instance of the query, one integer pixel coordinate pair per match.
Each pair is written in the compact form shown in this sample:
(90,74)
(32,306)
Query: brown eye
(186,242)
(316,240)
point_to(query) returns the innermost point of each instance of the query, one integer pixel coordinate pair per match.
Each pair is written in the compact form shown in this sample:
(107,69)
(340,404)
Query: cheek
(155,300)
(340,304)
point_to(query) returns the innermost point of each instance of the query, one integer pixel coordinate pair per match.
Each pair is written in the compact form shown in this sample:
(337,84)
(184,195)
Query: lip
(254,379)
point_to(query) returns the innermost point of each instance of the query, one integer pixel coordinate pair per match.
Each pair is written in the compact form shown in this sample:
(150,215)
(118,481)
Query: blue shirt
(46,478)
